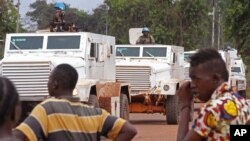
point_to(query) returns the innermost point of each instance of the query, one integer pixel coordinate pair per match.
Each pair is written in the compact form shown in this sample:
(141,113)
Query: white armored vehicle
(234,64)
(154,72)
(236,69)
(30,57)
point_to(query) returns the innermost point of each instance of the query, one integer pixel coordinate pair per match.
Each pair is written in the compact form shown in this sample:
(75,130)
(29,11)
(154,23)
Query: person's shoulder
(213,105)
(248,101)
(48,100)
(224,102)
(140,37)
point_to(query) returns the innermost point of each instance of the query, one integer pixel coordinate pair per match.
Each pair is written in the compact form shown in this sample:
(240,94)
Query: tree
(237,29)
(97,22)
(237,26)
(42,14)
(8,18)
(183,23)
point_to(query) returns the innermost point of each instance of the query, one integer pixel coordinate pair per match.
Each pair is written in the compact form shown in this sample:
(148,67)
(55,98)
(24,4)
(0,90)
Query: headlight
(166,87)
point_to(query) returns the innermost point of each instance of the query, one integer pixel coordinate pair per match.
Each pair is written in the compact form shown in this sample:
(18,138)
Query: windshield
(63,42)
(154,52)
(128,51)
(235,69)
(187,56)
(26,42)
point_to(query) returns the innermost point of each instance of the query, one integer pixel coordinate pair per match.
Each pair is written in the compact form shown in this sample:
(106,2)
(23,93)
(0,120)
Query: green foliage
(237,26)
(193,21)
(182,23)
(97,22)
(43,14)
(8,18)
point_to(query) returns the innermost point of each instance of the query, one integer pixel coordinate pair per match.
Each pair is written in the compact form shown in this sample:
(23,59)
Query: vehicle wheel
(124,107)
(172,111)
(243,93)
(93,101)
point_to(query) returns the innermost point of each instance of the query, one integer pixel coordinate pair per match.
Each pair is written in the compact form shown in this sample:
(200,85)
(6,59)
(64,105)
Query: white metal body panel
(33,66)
(149,74)
(134,34)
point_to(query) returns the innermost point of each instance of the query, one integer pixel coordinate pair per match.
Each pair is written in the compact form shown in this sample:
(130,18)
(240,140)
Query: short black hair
(212,60)
(9,99)
(66,76)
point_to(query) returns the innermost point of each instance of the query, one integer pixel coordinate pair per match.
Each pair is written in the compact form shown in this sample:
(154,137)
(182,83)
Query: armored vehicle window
(26,42)
(235,69)
(63,42)
(154,52)
(94,50)
(128,51)
(187,56)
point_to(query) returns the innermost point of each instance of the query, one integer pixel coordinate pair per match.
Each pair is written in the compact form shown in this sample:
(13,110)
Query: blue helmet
(145,29)
(60,6)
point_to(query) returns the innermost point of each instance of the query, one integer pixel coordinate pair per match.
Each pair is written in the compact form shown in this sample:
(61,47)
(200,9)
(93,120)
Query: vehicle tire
(93,101)
(243,93)
(172,111)
(124,107)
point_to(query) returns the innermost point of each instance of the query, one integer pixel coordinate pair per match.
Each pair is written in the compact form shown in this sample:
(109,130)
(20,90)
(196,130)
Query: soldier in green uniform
(146,38)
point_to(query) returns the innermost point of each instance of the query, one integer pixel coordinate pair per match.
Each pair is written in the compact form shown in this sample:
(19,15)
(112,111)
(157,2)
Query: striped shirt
(65,120)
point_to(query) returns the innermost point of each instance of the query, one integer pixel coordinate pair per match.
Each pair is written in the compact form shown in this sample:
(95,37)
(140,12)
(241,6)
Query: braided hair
(9,99)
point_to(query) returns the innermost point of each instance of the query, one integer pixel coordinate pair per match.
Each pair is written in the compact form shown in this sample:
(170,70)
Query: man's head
(10,109)
(62,79)
(207,71)
(145,31)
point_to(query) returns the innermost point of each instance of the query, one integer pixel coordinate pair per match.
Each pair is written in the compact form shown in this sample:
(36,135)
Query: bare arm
(185,98)
(183,123)
(127,132)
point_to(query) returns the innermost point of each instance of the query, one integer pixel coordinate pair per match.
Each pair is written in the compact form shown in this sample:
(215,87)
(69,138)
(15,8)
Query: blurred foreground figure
(223,107)
(65,118)
(10,109)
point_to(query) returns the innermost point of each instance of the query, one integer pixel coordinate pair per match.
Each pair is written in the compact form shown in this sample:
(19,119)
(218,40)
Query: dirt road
(152,127)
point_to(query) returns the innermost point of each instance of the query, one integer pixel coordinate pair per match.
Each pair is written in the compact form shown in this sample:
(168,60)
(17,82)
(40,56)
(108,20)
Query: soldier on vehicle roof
(146,38)
(58,23)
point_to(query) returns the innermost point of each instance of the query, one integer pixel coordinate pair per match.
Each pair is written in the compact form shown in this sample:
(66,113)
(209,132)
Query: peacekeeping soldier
(146,38)
(58,23)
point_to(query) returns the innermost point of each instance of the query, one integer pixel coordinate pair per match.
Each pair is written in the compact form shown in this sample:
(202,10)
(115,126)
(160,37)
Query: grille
(30,78)
(137,76)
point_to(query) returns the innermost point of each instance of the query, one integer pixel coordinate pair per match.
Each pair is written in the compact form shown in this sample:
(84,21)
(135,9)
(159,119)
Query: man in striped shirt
(65,118)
